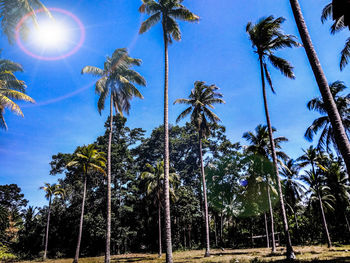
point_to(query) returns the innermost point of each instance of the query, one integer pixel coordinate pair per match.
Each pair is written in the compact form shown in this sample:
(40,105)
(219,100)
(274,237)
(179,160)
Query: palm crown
(167,11)
(12,11)
(53,190)
(11,89)
(200,102)
(117,79)
(260,144)
(87,159)
(267,37)
(342,102)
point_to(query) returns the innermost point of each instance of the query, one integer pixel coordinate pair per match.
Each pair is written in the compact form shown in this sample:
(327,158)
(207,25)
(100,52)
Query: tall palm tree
(154,179)
(167,12)
(86,160)
(200,101)
(11,89)
(260,147)
(320,193)
(310,157)
(117,80)
(12,11)
(267,37)
(327,135)
(50,190)
(340,135)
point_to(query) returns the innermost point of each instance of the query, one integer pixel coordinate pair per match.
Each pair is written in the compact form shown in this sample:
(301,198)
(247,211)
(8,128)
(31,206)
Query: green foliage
(6,255)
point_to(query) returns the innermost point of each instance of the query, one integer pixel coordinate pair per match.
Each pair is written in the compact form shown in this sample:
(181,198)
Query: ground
(304,254)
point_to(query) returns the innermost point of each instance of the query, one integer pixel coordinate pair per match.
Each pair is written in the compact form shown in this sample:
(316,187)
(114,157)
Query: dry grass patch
(304,254)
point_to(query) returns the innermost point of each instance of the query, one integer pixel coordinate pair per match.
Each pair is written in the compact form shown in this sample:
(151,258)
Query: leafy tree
(117,80)
(50,190)
(341,137)
(11,89)
(267,37)
(260,147)
(327,136)
(166,11)
(154,179)
(87,159)
(201,98)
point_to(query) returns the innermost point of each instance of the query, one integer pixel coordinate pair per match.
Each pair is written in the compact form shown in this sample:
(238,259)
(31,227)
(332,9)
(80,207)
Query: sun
(50,34)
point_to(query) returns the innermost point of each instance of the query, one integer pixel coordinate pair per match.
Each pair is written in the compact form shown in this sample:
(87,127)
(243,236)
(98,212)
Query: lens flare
(51,34)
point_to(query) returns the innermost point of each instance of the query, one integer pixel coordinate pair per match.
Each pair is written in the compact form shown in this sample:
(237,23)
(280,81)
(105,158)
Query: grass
(304,254)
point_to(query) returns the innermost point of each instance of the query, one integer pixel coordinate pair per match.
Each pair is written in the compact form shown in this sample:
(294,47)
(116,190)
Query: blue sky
(215,50)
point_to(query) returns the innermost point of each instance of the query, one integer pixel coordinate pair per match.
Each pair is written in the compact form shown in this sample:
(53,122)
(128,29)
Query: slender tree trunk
(169,249)
(109,176)
(290,253)
(347,222)
(267,232)
(272,220)
(47,230)
(215,231)
(159,230)
(206,215)
(221,228)
(329,242)
(340,136)
(76,258)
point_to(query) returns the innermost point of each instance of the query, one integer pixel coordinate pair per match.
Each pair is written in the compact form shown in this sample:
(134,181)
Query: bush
(5,255)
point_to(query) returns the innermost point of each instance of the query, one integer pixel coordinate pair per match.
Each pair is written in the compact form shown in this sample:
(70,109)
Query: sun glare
(50,34)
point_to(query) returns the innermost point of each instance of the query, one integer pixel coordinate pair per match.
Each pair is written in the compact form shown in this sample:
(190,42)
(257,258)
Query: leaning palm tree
(11,89)
(260,147)
(154,179)
(200,100)
(323,123)
(166,11)
(340,135)
(320,193)
(50,190)
(267,37)
(12,11)
(86,160)
(117,80)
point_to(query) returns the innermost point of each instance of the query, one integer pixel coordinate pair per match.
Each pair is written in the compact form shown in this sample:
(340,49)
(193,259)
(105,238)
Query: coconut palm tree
(340,135)
(117,80)
(86,160)
(154,179)
(200,100)
(167,12)
(50,190)
(260,147)
(327,135)
(11,89)
(320,193)
(12,11)
(310,157)
(267,37)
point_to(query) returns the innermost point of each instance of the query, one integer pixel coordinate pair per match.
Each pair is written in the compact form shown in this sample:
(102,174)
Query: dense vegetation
(111,193)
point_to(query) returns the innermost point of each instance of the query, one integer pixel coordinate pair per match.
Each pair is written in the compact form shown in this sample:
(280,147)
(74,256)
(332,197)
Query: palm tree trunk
(290,253)
(340,136)
(169,250)
(206,216)
(347,222)
(109,175)
(47,230)
(329,242)
(81,222)
(159,230)
(267,232)
(272,220)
